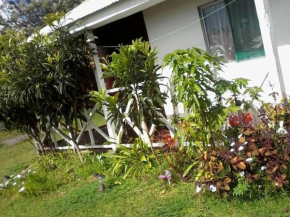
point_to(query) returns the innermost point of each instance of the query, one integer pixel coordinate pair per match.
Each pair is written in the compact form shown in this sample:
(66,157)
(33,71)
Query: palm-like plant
(135,72)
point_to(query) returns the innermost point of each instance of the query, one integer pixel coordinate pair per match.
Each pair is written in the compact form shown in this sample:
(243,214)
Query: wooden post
(54,139)
(90,128)
(100,81)
(269,39)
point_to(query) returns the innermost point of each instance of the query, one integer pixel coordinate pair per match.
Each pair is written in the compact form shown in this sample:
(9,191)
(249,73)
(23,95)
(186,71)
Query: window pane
(246,30)
(218,31)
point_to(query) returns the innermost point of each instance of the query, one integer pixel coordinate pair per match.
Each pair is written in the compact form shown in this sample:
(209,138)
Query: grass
(14,158)
(139,198)
(133,197)
(98,120)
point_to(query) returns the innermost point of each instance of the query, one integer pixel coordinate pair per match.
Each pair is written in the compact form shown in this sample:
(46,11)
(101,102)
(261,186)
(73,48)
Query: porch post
(100,81)
(269,39)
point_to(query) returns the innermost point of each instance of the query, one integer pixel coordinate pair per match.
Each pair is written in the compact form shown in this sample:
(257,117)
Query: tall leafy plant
(197,86)
(135,72)
(43,80)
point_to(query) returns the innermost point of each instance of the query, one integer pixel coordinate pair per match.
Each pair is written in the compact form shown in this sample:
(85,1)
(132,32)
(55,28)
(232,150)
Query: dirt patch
(15,140)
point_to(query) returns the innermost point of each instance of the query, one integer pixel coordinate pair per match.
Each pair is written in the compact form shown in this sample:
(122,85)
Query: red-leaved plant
(256,158)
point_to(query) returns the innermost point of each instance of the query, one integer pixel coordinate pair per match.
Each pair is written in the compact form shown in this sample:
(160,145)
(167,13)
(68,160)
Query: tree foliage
(29,14)
(135,72)
(43,81)
(197,86)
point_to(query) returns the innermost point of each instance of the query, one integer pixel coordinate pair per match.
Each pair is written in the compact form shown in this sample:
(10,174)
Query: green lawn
(135,198)
(16,157)
(143,197)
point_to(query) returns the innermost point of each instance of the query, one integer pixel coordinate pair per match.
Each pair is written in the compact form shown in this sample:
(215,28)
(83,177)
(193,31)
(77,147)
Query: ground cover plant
(256,161)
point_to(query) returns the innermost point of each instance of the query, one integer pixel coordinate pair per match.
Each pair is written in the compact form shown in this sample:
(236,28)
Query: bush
(256,160)
(37,94)
(131,162)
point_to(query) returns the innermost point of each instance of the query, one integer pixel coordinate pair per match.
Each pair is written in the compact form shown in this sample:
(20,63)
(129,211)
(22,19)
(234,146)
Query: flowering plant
(167,176)
(255,158)
(170,141)
(236,120)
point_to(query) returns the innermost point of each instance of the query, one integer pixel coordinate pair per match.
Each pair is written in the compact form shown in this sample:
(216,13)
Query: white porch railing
(113,137)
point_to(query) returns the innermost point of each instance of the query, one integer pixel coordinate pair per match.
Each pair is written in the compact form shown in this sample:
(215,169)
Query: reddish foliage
(247,118)
(236,120)
(170,142)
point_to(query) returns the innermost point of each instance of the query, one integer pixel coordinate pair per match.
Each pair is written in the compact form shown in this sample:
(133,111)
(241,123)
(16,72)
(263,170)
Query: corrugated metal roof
(86,8)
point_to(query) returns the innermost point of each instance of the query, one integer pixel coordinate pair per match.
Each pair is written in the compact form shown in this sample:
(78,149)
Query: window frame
(205,33)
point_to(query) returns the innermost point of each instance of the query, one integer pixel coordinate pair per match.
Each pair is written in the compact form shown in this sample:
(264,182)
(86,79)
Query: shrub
(197,86)
(131,162)
(256,159)
(37,94)
(135,71)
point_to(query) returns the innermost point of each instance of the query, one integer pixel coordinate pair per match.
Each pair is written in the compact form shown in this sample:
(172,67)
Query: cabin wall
(281,17)
(173,15)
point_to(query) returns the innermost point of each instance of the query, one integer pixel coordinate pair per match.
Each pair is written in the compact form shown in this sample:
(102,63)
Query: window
(232,32)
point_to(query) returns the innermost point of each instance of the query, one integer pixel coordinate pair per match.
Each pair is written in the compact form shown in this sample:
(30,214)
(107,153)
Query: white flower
(276,183)
(212,188)
(21,189)
(249,159)
(198,189)
(15,183)
(232,150)
(241,148)
(263,168)
(1,185)
(245,143)
(17,177)
(282,131)
(240,135)
(29,171)
(242,174)
(233,143)
(23,172)
(6,183)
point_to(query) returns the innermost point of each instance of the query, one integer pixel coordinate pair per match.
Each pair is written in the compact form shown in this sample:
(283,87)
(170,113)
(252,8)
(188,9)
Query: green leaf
(143,158)
(189,168)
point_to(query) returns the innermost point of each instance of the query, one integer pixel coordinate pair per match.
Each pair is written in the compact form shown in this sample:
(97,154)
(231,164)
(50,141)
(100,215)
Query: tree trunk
(76,146)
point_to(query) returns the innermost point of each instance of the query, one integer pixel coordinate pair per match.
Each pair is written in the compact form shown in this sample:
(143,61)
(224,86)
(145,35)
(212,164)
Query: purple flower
(169,178)
(162,177)
(167,173)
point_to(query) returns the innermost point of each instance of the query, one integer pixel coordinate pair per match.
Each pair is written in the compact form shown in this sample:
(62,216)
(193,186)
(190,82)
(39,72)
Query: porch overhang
(115,10)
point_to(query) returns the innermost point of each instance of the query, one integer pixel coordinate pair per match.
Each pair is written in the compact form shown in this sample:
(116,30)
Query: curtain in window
(245,29)
(218,31)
